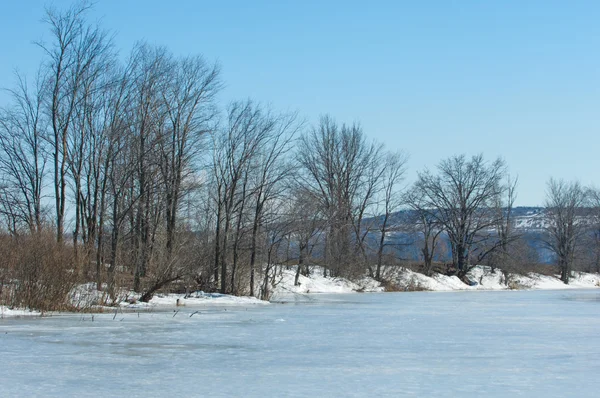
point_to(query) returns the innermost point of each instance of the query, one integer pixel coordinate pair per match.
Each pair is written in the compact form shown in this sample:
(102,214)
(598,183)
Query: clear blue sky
(513,78)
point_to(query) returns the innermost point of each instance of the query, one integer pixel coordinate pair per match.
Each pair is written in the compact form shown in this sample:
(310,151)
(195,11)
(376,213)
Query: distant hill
(526,218)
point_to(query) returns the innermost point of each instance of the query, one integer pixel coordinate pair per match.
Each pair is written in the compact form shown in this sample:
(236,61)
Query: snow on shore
(317,283)
(202,299)
(86,296)
(404,279)
(484,279)
(6,312)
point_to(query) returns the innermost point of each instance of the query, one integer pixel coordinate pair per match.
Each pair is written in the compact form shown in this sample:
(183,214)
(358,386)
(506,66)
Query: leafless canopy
(565,222)
(461,197)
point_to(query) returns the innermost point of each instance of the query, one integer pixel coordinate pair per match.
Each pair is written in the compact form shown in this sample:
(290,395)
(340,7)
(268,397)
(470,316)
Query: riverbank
(87,298)
(403,279)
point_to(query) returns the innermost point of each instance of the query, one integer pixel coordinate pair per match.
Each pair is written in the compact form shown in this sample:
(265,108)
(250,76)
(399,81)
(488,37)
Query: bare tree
(393,174)
(565,224)
(275,235)
(427,225)
(272,172)
(338,168)
(23,155)
(594,197)
(150,69)
(86,141)
(234,148)
(188,100)
(308,224)
(462,198)
(116,176)
(73,54)
(503,257)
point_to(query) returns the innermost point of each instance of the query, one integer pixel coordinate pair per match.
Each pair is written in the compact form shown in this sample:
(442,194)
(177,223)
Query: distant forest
(130,175)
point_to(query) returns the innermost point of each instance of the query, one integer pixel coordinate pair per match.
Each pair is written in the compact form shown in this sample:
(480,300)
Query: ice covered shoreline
(85,296)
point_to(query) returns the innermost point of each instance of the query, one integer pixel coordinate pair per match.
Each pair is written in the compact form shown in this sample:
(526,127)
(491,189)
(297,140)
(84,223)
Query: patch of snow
(86,296)
(6,312)
(580,280)
(317,283)
(585,280)
(368,284)
(200,299)
(484,279)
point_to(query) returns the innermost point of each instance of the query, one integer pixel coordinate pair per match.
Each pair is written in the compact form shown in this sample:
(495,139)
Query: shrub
(37,272)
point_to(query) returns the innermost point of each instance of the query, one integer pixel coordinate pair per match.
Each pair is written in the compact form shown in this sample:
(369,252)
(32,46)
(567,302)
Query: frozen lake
(532,343)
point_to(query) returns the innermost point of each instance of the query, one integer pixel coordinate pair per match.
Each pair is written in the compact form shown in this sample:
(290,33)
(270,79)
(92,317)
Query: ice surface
(484,343)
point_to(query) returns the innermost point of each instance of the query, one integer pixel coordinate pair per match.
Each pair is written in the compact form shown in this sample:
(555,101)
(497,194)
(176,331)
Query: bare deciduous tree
(565,224)
(427,225)
(394,168)
(594,197)
(339,167)
(462,197)
(23,156)
(272,170)
(188,100)
(73,54)
(503,256)
(234,148)
(308,224)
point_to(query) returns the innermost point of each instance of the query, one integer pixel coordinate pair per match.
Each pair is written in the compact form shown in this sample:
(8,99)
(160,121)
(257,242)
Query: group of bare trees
(251,171)
(349,178)
(115,147)
(145,181)
(469,204)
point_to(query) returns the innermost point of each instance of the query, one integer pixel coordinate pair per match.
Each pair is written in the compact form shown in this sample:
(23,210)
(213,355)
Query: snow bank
(200,299)
(317,283)
(580,280)
(483,278)
(6,312)
(86,296)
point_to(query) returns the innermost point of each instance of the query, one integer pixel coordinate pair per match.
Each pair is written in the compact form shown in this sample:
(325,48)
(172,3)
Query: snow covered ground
(6,312)
(317,283)
(86,296)
(200,299)
(482,277)
(485,279)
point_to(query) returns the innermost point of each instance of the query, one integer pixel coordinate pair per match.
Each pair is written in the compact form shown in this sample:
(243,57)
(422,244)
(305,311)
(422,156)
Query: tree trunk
(253,254)
(147,296)
(224,259)
(300,264)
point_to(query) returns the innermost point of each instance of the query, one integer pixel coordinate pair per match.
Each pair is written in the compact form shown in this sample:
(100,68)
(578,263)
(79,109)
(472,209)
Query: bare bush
(38,273)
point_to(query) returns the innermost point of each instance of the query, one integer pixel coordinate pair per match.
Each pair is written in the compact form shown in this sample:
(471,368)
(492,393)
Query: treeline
(128,175)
